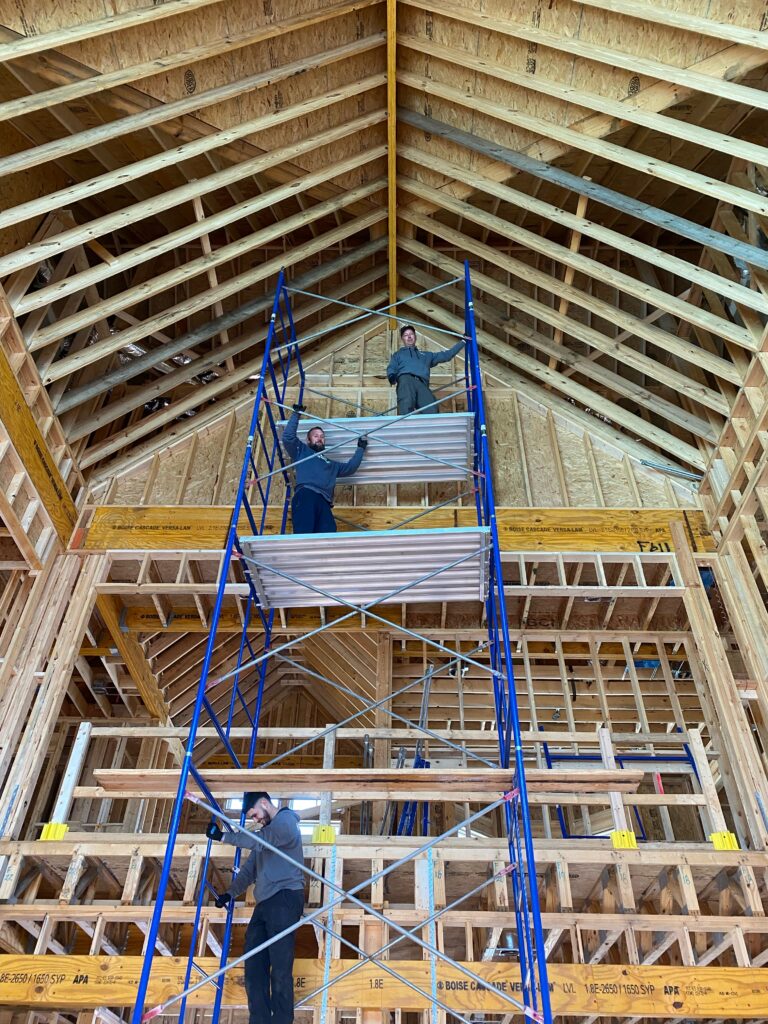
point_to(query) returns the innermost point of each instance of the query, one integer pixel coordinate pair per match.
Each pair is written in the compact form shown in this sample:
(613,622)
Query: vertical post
(72,772)
(392,151)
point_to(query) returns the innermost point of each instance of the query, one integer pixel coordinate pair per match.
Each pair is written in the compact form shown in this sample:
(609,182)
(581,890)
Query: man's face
(409,337)
(316,439)
(258,813)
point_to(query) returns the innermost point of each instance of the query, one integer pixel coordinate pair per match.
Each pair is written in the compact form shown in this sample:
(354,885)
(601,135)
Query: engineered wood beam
(204,528)
(609,990)
(126,76)
(371,783)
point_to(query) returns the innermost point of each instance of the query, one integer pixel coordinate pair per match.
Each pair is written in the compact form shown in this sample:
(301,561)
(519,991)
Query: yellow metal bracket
(724,841)
(54,830)
(324,834)
(624,839)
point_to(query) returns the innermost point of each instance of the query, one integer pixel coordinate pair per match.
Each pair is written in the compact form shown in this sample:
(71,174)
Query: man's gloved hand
(298,407)
(214,832)
(362,442)
(392,380)
(222,900)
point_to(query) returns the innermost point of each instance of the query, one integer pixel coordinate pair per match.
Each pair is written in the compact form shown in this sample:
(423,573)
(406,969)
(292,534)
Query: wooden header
(615,990)
(204,528)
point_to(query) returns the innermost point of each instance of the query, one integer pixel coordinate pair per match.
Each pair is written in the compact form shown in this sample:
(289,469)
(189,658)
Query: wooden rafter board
(373,784)
(204,528)
(616,990)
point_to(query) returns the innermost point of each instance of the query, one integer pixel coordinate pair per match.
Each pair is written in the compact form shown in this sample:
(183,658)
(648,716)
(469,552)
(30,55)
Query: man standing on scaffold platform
(409,370)
(279,891)
(316,474)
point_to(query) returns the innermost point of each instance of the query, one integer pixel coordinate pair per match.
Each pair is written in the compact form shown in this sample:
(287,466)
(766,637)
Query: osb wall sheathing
(539,459)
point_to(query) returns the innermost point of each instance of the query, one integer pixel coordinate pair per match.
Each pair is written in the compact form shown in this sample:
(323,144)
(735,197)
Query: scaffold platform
(367,568)
(426,448)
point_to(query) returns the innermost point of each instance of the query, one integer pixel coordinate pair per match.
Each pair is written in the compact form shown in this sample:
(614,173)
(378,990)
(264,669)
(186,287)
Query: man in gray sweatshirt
(316,475)
(409,370)
(279,890)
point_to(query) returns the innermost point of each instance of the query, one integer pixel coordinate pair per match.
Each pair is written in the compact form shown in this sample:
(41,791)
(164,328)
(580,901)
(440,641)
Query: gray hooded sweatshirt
(265,870)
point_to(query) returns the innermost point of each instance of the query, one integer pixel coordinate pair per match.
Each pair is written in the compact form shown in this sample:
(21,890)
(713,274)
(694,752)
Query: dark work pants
(311,513)
(269,974)
(413,394)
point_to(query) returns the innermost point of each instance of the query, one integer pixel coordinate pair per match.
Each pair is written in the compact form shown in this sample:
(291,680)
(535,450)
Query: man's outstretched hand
(222,900)
(362,442)
(214,832)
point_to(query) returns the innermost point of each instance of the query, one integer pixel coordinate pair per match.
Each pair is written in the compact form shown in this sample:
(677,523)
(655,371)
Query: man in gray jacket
(279,890)
(316,475)
(409,370)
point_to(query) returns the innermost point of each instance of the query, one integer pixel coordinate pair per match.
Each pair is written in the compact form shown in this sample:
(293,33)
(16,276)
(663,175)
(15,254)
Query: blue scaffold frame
(281,361)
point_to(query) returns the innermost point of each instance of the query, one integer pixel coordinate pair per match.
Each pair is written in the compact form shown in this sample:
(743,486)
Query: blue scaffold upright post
(281,359)
(533,966)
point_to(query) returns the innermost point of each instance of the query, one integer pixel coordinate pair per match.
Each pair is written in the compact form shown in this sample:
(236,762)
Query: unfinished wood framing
(602,165)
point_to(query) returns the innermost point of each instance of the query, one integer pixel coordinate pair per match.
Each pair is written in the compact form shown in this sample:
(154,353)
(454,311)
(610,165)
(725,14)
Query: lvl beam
(610,990)
(25,434)
(203,528)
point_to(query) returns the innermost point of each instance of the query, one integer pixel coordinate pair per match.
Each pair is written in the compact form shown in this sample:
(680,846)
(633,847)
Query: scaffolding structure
(349,575)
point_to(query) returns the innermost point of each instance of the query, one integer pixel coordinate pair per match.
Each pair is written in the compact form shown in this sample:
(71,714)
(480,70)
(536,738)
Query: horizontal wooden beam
(372,783)
(615,990)
(204,528)
(95,83)
(607,196)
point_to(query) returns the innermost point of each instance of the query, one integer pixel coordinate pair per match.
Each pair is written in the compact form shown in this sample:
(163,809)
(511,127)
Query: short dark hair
(251,799)
(407,327)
